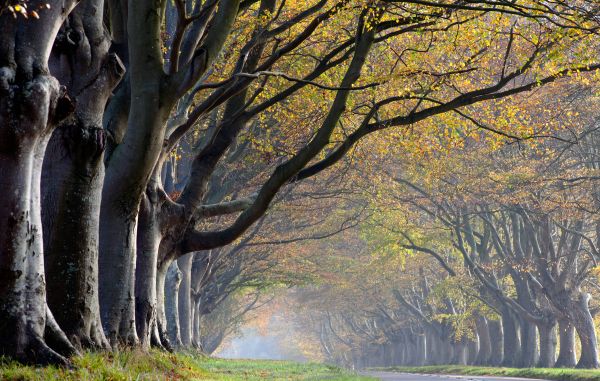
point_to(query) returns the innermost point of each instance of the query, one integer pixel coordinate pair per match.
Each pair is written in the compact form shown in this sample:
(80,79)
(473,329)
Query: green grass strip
(157,365)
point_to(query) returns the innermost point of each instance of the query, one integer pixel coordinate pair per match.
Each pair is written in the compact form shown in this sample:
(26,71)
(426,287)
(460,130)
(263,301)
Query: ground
(156,365)
(394,376)
(137,366)
(537,373)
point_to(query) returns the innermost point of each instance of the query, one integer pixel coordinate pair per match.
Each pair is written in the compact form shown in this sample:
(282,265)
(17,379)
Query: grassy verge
(136,366)
(540,373)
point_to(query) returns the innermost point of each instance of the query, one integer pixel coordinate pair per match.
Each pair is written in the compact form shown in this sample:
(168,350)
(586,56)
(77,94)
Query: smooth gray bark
(148,240)
(171,291)
(512,342)
(461,353)
(196,340)
(548,343)
(485,343)
(185,299)
(497,340)
(586,330)
(421,346)
(567,357)
(473,349)
(116,268)
(161,305)
(529,344)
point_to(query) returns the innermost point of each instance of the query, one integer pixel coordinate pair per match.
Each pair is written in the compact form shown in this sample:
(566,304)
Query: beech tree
(116,89)
(33,103)
(487,249)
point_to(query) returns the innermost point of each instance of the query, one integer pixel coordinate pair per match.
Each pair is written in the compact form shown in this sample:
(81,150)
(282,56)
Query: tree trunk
(473,349)
(157,340)
(411,352)
(529,354)
(567,357)
(117,268)
(185,300)
(171,305)
(485,343)
(421,346)
(529,348)
(161,314)
(27,110)
(73,174)
(460,353)
(400,356)
(497,341)
(390,354)
(148,241)
(447,351)
(129,169)
(158,214)
(74,181)
(358,360)
(512,343)
(32,103)
(586,330)
(434,348)
(196,339)
(547,344)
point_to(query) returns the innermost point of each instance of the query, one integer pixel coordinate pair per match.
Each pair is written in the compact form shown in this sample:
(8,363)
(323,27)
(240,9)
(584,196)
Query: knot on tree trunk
(115,66)
(7,77)
(39,102)
(64,106)
(85,144)
(67,40)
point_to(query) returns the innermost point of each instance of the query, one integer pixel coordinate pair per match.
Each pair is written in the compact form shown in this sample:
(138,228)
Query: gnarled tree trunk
(73,175)
(32,103)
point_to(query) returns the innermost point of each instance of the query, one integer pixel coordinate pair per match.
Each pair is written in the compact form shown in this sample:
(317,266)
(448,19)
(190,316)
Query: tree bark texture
(185,299)
(32,104)
(171,290)
(73,174)
(567,357)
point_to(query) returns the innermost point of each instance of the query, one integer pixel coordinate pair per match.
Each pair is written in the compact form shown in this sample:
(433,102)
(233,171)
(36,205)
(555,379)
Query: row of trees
(134,133)
(484,254)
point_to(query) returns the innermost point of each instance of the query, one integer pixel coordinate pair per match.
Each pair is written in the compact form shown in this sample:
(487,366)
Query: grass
(156,365)
(540,373)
